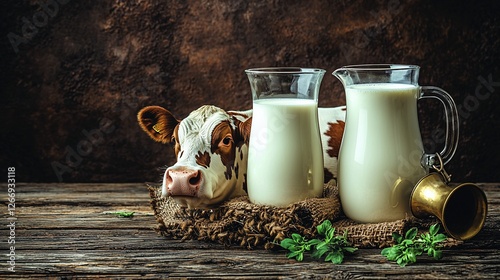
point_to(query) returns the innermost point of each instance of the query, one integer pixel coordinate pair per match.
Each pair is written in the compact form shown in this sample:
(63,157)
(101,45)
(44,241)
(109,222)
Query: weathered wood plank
(79,209)
(219,263)
(55,188)
(86,230)
(92,221)
(77,239)
(61,234)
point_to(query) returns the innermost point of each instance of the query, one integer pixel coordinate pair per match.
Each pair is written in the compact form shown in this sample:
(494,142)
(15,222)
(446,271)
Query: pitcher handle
(452,125)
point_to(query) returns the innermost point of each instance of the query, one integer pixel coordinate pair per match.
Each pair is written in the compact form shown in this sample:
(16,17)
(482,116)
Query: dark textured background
(71,91)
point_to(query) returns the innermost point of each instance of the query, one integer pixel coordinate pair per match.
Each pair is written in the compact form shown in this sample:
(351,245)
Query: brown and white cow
(211,147)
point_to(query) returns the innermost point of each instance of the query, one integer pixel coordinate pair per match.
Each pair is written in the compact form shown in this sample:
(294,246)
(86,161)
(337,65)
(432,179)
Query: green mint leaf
(297,237)
(332,246)
(318,253)
(402,262)
(437,254)
(434,229)
(350,249)
(407,249)
(314,242)
(411,255)
(296,245)
(298,255)
(335,257)
(330,233)
(398,238)
(329,257)
(431,252)
(386,251)
(411,233)
(287,243)
(324,227)
(124,214)
(439,238)
(322,244)
(407,242)
(426,237)
(392,253)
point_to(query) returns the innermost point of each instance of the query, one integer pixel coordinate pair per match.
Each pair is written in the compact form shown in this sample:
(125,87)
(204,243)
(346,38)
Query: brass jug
(461,209)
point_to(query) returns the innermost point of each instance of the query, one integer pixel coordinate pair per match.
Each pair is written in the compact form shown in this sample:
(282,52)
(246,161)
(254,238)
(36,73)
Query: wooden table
(65,230)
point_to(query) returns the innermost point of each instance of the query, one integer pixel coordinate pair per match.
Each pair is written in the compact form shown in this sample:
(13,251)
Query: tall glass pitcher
(382,157)
(285,160)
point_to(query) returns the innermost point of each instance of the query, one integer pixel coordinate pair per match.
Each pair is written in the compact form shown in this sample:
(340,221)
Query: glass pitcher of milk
(381,157)
(285,160)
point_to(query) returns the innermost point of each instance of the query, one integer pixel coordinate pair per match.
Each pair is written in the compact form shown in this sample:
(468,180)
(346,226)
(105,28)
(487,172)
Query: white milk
(379,160)
(285,160)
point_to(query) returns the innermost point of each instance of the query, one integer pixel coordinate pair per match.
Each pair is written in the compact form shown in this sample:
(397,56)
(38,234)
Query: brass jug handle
(440,169)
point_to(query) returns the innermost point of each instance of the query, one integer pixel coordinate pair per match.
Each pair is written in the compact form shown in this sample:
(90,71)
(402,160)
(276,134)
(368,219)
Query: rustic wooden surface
(65,231)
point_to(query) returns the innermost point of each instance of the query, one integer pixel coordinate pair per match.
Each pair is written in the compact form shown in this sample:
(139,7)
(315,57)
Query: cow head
(211,149)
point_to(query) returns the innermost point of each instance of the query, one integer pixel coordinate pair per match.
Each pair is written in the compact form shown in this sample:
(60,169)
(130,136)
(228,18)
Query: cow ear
(244,129)
(158,123)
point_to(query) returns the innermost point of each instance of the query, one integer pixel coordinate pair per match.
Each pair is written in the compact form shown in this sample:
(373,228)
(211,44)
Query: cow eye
(227,140)
(173,143)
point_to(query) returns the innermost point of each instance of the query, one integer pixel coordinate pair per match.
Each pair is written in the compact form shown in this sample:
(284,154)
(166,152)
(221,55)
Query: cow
(211,147)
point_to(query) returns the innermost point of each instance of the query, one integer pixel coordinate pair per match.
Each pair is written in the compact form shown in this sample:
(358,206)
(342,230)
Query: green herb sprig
(123,214)
(407,248)
(333,247)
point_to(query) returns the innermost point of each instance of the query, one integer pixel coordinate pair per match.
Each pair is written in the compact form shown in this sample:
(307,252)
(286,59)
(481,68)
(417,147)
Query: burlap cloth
(238,222)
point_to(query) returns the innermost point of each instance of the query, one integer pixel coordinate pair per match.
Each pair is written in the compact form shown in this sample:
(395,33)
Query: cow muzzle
(181,181)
